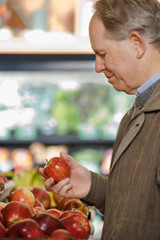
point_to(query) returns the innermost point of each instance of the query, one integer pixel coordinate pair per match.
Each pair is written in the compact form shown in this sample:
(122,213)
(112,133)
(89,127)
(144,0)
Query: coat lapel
(128,138)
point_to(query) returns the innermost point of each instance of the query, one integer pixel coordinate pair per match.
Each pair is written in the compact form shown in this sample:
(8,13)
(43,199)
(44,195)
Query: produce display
(28,212)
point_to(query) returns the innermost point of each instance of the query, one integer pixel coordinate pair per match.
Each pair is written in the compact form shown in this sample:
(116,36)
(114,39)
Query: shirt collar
(147,84)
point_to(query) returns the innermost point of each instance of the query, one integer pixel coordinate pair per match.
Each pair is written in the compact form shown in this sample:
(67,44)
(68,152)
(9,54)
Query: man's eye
(102,55)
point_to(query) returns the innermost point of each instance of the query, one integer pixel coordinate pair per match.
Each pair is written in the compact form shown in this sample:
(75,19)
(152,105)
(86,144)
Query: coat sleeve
(96,195)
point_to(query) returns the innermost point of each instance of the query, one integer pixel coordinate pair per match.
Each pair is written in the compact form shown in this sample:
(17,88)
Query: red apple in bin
(77,225)
(57,168)
(47,223)
(15,211)
(38,204)
(2,230)
(42,196)
(61,202)
(75,204)
(68,213)
(54,212)
(62,234)
(56,197)
(23,195)
(27,228)
(39,209)
(31,208)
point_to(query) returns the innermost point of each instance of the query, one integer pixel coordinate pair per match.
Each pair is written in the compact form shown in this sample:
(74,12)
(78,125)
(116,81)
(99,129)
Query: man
(125,36)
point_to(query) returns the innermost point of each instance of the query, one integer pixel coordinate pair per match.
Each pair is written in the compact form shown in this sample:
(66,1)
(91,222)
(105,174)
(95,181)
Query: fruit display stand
(14,196)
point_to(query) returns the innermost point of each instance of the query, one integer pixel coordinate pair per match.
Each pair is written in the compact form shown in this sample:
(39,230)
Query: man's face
(116,59)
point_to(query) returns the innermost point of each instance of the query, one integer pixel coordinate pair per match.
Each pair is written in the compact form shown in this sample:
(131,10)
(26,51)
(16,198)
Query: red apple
(77,225)
(56,197)
(3,178)
(23,195)
(61,202)
(61,234)
(27,228)
(47,223)
(38,204)
(54,212)
(2,230)
(15,211)
(39,209)
(41,195)
(74,204)
(57,168)
(31,209)
(68,213)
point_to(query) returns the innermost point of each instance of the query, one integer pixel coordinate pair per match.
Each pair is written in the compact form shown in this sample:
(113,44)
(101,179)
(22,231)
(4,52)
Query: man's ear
(138,43)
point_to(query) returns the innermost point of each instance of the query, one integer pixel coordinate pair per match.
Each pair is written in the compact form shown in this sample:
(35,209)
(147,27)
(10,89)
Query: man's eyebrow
(98,51)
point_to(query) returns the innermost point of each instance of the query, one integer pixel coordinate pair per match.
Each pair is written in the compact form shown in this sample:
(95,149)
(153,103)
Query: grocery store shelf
(45,62)
(57,140)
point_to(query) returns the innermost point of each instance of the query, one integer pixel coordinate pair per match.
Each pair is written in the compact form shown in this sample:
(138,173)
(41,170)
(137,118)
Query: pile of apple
(28,214)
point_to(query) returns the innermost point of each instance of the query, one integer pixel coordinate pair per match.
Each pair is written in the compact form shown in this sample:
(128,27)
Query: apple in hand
(77,225)
(23,195)
(2,230)
(15,211)
(42,196)
(54,212)
(61,234)
(27,228)
(57,168)
(47,223)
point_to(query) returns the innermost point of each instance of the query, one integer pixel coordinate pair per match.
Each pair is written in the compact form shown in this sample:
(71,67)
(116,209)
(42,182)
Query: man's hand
(76,186)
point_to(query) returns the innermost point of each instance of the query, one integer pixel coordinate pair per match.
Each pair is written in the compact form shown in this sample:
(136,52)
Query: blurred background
(51,99)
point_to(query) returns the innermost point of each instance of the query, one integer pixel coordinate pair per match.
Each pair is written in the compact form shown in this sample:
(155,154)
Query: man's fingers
(41,171)
(49,184)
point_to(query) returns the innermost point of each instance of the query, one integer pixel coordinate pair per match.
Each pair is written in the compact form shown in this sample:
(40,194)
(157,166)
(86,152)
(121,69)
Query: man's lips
(108,75)
(110,78)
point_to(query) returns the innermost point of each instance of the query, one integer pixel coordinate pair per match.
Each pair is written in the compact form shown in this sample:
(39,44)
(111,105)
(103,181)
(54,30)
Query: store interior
(51,99)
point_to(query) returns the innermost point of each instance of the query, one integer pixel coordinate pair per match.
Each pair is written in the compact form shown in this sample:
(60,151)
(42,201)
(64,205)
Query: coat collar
(131,134)
(153,103)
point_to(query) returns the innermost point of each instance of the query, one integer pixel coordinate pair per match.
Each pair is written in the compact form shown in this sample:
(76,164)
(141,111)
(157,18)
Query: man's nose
(99,65)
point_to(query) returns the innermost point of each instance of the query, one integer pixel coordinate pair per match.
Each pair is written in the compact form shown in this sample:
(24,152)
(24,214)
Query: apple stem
(47,160)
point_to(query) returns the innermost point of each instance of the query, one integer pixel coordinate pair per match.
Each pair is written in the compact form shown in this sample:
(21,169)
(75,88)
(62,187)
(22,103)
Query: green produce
(28,178)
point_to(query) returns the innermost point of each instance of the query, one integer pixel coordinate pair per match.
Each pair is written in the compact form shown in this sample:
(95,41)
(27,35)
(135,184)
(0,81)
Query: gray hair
(121,17)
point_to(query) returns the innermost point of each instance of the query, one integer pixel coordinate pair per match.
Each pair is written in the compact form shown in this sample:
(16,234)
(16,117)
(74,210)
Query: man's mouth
(109,78)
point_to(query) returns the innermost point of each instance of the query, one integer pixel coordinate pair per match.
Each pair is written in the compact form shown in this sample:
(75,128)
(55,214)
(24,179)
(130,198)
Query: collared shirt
(147,84)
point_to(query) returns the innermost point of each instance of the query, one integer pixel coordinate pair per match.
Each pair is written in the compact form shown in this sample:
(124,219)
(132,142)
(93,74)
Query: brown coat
(129,197)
